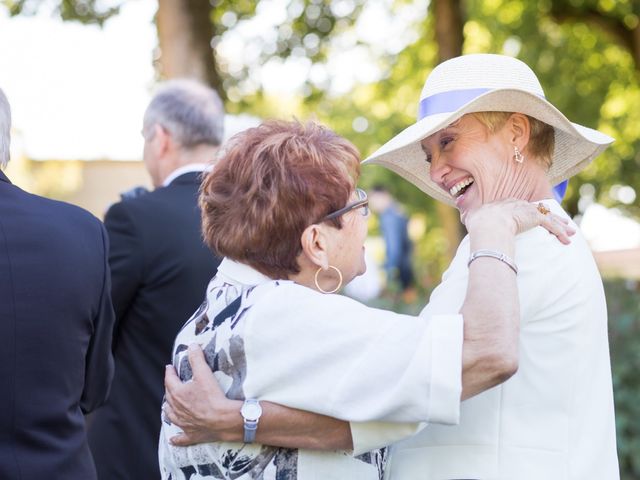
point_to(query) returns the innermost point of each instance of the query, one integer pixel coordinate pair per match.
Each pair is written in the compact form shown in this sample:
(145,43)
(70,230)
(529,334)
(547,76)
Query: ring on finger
(542,209)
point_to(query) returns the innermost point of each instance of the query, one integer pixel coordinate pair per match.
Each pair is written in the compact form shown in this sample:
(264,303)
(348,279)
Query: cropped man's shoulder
(148,208)
(139,198)
(154,203)
(132,206)
(61,208)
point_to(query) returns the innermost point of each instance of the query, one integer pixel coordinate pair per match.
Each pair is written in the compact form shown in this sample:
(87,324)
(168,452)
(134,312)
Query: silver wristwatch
(250,411)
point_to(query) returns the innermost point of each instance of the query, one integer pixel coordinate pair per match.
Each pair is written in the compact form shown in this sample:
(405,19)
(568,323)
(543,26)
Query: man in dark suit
(56,323)
(160,269)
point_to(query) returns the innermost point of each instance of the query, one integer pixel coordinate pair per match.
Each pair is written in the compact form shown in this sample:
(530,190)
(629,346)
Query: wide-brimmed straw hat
(485,83)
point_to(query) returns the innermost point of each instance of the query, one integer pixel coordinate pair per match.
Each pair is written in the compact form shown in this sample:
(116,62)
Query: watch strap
(250,429)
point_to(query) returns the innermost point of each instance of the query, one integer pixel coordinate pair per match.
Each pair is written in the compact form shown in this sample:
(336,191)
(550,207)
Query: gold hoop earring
(315,279)
(517,155)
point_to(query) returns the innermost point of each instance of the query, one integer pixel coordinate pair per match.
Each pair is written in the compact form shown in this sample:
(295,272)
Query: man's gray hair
(5,129)
(192,113)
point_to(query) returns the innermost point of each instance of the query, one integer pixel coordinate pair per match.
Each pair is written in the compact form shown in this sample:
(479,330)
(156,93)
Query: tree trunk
(635,49)
(185,32)
(449,22)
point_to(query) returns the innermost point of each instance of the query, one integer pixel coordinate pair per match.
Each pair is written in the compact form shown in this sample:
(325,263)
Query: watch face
(251,411)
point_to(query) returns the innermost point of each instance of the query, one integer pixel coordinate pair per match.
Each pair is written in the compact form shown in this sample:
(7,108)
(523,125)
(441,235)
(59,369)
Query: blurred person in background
(160,268)
(56,322)
(398,245)
(283,208)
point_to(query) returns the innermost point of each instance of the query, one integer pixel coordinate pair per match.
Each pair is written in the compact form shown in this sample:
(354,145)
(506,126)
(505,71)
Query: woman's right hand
(518,216)
(200,407)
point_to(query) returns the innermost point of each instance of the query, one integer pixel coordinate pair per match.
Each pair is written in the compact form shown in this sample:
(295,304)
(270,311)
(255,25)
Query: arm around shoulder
(203,412)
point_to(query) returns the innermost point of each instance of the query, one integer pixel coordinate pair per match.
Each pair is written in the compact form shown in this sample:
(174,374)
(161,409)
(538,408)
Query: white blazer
(554,419)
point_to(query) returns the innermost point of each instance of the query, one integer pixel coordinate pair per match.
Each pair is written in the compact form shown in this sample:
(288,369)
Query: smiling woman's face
(473,165)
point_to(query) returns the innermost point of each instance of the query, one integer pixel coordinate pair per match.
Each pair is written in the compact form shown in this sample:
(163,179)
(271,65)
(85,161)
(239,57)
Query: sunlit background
(79,75)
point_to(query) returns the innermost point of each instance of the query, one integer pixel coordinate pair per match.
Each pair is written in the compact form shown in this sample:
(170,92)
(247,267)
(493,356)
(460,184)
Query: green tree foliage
(85,11)
(304,32)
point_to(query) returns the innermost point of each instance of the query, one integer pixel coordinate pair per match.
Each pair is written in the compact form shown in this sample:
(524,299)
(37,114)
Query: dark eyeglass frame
(362,201)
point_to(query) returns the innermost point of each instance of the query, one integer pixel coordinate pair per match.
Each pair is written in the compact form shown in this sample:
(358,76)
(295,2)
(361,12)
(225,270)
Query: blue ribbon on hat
(450,101)
(559,190)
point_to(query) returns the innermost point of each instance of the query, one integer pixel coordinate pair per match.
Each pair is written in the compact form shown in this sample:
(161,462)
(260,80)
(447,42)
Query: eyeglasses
(362,201)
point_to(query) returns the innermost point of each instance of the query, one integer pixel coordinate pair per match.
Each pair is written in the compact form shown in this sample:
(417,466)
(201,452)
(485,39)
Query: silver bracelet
(494,254)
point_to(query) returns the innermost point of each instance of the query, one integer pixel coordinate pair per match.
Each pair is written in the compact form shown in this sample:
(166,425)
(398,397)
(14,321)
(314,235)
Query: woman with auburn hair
(283,208)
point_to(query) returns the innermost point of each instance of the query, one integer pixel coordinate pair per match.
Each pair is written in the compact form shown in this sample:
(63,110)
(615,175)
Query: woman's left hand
(519,216)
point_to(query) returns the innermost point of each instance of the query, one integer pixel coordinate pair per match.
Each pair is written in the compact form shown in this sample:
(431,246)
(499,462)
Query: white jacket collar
(236,272)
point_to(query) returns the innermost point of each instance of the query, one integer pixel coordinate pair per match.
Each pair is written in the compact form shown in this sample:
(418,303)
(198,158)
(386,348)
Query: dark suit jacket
(56,322)
(160,269)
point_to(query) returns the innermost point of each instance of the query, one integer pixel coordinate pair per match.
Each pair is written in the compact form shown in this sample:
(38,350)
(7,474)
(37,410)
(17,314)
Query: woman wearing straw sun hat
(486,132)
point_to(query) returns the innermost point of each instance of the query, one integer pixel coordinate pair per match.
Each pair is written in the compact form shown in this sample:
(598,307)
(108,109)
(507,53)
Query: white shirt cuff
(368,436)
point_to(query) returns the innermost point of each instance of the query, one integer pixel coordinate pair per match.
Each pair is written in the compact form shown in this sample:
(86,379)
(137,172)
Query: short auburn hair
(269,184)
(541,138)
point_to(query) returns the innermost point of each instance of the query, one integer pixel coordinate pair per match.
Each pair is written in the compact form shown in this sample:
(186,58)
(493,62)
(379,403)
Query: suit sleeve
(99,360)
(125,260)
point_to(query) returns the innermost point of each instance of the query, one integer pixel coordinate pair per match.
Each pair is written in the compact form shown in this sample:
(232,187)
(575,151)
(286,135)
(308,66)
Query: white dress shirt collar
(236,272)
(191,167)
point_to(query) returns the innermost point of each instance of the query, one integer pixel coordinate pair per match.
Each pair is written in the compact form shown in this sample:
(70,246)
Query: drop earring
(517,155)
